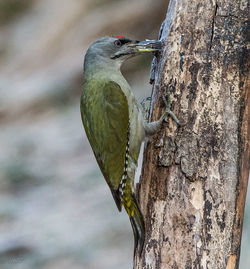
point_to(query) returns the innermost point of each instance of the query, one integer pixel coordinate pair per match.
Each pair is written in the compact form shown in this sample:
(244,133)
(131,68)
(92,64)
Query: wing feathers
(105,116)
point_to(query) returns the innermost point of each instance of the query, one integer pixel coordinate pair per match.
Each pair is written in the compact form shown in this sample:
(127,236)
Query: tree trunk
(194,177)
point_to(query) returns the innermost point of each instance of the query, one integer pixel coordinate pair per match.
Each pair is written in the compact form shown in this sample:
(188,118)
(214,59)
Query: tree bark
(194,177)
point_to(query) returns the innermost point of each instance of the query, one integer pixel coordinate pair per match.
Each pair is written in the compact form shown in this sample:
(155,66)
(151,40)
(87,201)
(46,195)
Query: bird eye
(118,43)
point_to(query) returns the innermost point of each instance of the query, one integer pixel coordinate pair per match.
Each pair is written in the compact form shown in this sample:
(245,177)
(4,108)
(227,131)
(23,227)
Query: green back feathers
(105,117)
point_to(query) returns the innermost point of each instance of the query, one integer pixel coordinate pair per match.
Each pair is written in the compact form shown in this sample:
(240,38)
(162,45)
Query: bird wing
(105,115)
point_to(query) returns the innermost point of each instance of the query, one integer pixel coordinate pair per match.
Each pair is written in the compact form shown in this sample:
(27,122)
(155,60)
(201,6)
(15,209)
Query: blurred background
(56,210)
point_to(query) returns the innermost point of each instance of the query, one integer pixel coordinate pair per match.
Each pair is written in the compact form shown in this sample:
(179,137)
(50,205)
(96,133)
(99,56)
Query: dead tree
(194,177)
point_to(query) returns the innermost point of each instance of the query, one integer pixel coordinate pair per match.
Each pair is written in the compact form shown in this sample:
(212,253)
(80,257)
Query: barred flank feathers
(129,201)
(122,184)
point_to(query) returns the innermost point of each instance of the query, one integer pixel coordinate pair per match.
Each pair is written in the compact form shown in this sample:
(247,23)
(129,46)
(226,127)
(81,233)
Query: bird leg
(152,127)
(168,109)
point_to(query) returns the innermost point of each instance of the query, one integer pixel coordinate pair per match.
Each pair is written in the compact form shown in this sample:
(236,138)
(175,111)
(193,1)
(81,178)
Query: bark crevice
(213,25)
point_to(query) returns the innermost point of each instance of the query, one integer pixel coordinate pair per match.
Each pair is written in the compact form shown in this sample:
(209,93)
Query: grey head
(114,50)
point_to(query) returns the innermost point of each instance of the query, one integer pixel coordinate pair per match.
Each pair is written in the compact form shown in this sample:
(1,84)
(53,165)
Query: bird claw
(168,110)
(144,100)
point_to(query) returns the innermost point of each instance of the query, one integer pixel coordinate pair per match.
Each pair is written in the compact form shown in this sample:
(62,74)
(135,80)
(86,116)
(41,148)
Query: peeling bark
(194,178)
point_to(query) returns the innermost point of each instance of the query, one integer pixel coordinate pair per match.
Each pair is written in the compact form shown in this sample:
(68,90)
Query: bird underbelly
(137,134)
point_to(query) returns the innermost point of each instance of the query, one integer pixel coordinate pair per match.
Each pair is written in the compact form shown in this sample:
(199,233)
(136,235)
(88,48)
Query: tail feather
(117,199)
(136,219)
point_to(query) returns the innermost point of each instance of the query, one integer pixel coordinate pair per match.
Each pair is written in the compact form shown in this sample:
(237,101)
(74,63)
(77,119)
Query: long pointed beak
(137,47)
(147,46)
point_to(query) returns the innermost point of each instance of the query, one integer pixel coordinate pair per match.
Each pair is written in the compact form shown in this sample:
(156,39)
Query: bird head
(119,48)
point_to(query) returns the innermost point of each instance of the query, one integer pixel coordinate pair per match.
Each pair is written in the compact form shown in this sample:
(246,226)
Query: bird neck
(99,65)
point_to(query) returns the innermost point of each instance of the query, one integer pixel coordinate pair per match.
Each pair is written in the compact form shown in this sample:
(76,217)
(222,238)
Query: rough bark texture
(194,177)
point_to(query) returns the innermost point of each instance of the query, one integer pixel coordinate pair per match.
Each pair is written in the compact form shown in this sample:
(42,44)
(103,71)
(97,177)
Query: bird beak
(147,46)
(138,47)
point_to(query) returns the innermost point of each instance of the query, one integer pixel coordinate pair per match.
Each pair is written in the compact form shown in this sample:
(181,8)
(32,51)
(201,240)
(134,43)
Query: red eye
(118,43)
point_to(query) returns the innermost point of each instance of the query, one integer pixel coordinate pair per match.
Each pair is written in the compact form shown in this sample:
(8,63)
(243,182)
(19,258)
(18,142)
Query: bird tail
(136,219)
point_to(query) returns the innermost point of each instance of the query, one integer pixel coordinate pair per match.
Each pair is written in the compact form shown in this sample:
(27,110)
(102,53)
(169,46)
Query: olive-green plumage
(105,117)
(106,120)
(114,122)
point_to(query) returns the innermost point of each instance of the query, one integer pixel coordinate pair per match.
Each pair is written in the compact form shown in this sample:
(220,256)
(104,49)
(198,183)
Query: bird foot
(144,100)
(168,110)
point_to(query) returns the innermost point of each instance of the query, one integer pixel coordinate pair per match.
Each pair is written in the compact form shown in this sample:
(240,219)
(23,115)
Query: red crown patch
(118,36)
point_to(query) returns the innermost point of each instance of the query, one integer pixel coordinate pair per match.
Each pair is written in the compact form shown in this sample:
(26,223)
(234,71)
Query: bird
(114,120)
